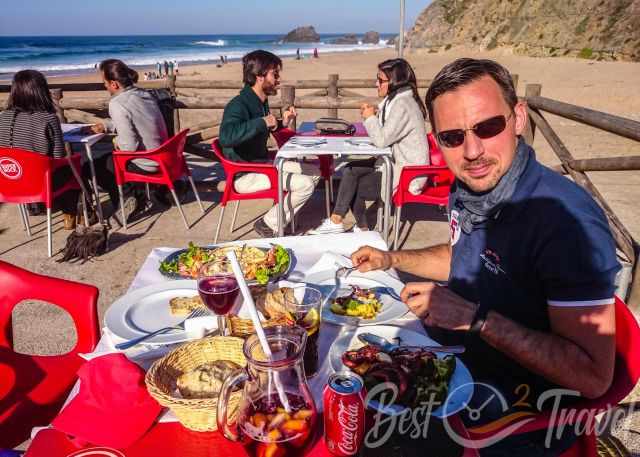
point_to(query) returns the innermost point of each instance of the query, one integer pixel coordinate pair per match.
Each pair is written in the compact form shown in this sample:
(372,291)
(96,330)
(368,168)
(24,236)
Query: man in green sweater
(245,128)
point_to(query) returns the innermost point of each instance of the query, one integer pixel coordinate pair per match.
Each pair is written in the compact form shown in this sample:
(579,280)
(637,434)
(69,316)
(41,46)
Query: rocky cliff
(305,34)
(595,29)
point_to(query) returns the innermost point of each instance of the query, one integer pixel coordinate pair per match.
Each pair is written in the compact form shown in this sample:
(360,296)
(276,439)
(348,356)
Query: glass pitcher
(276,415)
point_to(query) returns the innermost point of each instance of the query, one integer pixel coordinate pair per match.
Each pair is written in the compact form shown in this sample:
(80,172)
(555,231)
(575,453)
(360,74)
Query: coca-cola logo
(10,168)
(97,452)
(349,423)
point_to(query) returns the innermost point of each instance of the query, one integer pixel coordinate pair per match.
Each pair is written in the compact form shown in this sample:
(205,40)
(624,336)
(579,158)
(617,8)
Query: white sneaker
(327,227)
(356,229)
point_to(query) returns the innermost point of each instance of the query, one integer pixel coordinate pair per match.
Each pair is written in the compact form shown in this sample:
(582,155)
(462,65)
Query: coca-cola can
(344,413)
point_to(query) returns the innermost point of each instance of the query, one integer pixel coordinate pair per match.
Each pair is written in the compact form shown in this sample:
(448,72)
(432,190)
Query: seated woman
(30,123)
(136,119)
(399,124)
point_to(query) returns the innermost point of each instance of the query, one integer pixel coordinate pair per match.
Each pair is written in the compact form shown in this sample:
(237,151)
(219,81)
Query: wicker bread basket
(197,414)
(242,328)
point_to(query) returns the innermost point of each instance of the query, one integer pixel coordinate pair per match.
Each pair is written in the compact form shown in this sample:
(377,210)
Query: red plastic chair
(171,166)
(27,177)
(326,165)
(435,191)
(231,169)
(33,388)
(625,377)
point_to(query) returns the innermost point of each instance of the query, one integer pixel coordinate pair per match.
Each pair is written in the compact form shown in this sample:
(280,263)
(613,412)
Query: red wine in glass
(219,292)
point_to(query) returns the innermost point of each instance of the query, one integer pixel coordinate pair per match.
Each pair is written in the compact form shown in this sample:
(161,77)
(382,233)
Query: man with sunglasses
(530,264)
(244,131)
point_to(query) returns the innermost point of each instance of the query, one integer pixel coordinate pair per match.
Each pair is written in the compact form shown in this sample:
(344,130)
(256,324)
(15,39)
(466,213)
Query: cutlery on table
(198,312)
(387,346)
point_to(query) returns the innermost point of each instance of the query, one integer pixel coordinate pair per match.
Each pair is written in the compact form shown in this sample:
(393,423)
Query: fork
(200,311)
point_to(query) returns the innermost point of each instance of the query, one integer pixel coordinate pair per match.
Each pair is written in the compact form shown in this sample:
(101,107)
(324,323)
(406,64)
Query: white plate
(309,141)
(460,386)
(363,142)
(147,309)
(391,308)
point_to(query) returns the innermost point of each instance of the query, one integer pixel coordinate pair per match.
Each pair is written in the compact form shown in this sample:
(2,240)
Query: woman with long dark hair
(398,122)
(30,123)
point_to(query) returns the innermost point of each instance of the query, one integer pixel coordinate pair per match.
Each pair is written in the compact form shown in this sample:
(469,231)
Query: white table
(337,147)
(72,134)
(307,251)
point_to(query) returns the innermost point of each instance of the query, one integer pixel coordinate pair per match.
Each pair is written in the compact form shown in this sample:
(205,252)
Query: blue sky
(166,17)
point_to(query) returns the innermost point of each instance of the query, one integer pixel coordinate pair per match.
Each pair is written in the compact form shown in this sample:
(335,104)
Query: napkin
(113,407)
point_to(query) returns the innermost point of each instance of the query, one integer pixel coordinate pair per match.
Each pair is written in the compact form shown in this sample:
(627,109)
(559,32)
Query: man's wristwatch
(478,319)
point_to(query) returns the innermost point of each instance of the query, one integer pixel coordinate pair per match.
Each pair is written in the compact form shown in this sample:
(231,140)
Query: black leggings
(67,202)
(360,183)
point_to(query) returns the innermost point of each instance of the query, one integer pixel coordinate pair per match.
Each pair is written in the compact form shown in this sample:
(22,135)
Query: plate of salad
(260,264)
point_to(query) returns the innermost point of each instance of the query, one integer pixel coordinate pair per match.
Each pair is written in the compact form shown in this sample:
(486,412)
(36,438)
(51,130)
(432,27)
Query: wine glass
(219,291)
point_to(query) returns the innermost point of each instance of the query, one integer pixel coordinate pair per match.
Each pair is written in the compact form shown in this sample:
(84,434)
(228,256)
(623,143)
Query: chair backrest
(79,300)
(24,176)
(435,153)
(173,149)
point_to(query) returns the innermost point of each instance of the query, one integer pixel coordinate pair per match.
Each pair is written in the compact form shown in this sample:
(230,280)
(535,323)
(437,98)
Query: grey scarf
(477,208)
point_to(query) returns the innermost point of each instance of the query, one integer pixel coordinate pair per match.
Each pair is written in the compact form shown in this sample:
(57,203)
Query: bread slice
(206,380)
(182,306)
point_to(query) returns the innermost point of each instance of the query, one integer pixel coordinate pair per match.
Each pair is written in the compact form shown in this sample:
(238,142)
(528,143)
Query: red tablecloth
(169,440)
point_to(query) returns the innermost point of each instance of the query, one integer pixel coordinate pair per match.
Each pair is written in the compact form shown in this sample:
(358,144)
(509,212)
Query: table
(72,134)
(336,146)
(168,438)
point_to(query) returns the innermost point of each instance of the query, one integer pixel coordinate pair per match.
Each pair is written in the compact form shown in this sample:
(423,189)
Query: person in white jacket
(398,122)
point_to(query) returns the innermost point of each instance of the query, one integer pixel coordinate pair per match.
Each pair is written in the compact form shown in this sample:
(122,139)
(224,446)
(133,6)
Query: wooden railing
(335,94)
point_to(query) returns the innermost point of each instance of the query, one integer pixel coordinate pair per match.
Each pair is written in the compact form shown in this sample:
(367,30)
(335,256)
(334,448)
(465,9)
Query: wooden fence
(336,94)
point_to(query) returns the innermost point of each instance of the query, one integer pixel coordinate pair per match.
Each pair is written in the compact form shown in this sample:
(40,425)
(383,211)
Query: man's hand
(438,306)
(367,258)
(95,128)
(288,115)
(271,121)
(367,110)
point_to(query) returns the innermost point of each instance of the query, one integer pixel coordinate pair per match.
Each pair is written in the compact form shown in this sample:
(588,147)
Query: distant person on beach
(298,54)
(315,53)
(175,67)
(136,119)
(221,60)
(159,69)
(529,269)
(400,125)
(166,68)
(171,68)
(30,123)
(244,132)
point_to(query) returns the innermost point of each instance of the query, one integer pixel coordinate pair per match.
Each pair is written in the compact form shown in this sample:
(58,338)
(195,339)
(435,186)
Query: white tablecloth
(336,146)
(307,250)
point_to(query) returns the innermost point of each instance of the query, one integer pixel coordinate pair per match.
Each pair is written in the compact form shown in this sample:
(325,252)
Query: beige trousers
(300,179)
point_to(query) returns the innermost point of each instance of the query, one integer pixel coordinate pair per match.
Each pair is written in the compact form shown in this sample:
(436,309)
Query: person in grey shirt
(134,116)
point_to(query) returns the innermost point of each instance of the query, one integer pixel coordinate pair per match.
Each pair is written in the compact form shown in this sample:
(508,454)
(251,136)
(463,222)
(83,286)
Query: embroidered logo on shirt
(9,168)
(454,226)
(492,261)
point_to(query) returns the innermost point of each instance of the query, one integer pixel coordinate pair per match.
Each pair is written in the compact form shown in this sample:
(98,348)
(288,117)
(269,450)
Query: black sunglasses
(484,130)
(381,81)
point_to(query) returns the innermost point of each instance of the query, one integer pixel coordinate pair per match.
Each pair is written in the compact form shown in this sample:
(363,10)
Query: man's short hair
(258,63)
(464,71)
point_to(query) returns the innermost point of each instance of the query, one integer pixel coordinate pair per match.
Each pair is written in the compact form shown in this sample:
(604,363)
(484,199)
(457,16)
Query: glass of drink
(304,307)
(219,291)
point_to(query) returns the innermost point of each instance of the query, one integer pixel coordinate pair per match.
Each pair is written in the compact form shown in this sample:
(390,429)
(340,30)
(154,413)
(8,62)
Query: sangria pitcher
(276,415)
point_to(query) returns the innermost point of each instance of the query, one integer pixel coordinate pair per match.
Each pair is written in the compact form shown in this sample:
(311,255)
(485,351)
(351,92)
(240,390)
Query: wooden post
(288,94)
(531,90)
(56,95)
(171,81)
(332,92)
(515,78)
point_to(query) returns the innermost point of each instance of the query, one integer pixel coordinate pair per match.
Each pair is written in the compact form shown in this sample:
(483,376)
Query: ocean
(70,55)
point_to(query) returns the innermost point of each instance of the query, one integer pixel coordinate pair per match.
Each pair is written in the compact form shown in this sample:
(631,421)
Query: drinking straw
(248,301)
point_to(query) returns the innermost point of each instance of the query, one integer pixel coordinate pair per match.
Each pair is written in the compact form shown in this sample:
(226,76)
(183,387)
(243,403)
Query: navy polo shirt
(550,245)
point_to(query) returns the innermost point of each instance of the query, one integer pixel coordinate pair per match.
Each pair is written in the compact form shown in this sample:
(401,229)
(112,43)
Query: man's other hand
(271,121)
(288,115)
(367,258)
(437,306)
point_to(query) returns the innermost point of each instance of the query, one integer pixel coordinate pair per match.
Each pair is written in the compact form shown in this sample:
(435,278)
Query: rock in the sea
(302,35)
(349,38)
(371,37)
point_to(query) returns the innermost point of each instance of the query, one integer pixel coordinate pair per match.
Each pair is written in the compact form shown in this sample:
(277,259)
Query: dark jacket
(243,132)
